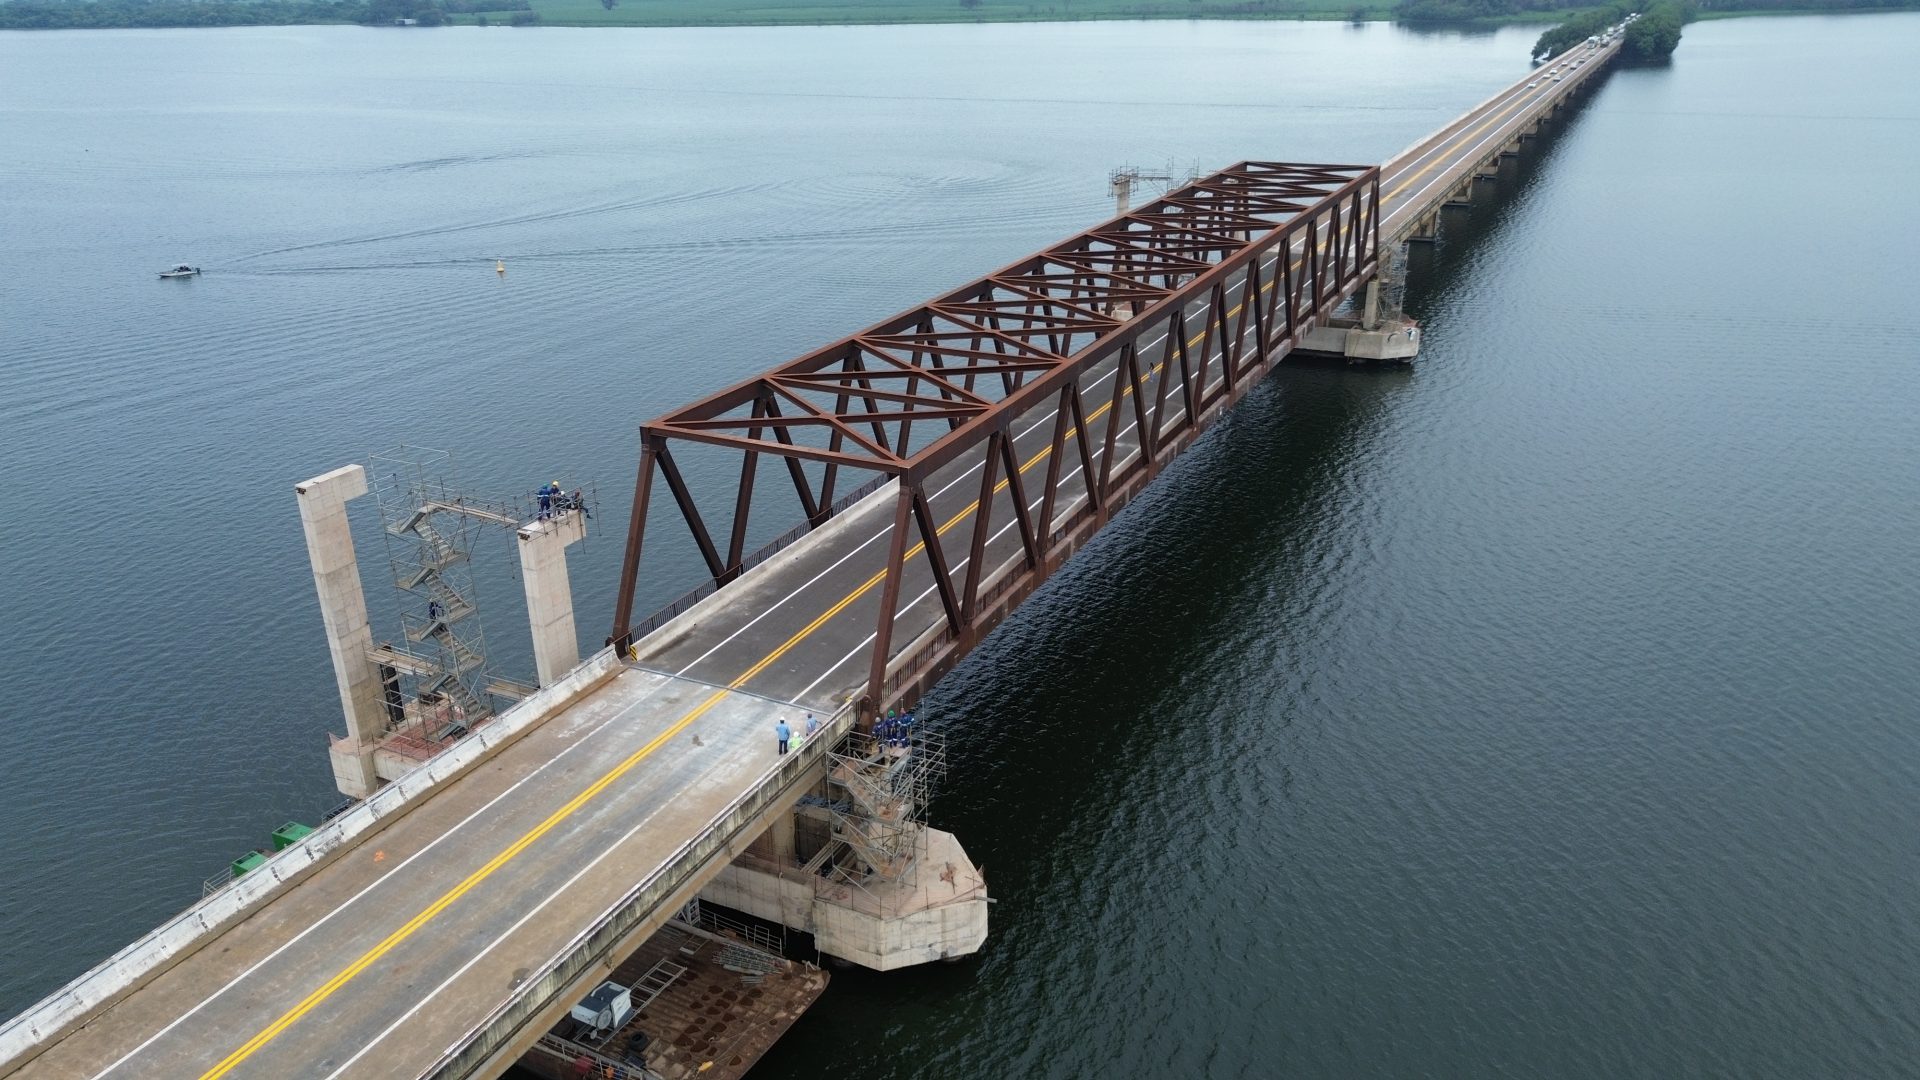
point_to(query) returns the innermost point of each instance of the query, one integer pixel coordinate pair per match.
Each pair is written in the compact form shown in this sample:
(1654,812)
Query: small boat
(182,270)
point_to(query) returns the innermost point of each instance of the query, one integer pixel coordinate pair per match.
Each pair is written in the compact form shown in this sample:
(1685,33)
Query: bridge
(944,461)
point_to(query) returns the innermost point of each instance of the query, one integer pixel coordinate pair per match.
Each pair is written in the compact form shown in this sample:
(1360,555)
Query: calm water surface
(1544,711)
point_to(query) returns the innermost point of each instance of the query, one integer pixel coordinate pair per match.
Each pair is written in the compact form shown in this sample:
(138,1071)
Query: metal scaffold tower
(877,791)
(429,528)
(1125,180)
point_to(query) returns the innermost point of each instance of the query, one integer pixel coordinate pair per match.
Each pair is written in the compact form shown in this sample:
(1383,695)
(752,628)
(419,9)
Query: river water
(1545,710)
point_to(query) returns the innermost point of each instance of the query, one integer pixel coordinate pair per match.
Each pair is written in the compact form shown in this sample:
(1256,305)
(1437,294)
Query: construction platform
(718,996)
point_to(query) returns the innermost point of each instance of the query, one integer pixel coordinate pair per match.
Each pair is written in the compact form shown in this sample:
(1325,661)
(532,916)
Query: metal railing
(712,921)
(599,1064)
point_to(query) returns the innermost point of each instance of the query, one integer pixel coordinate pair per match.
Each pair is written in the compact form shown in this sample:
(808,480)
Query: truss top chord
(992,348)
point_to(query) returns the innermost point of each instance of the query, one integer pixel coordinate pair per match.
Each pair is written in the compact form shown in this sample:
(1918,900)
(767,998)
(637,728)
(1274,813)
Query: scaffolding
(1123,181)
(430,527)
(874,802)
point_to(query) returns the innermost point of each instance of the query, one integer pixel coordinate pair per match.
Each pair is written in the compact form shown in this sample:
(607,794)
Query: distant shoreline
(678,14)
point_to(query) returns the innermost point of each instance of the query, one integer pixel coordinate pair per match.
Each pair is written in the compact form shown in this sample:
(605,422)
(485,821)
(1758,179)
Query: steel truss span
(1125,341)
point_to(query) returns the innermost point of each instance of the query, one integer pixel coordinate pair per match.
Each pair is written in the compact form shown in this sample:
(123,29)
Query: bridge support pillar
(1426,228)
(779,840)
(1382,332)
(343,607)
(543,570)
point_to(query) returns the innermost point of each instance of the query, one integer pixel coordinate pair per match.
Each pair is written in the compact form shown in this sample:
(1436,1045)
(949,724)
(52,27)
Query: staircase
(460,655)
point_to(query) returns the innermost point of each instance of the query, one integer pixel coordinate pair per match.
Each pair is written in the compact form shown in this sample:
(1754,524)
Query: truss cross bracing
(1154,321)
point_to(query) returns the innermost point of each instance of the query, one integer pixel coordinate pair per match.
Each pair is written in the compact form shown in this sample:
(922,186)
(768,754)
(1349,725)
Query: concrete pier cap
(1396,341)
(937,911)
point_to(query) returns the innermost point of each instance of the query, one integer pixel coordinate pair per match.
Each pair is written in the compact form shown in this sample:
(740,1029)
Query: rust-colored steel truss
(1162,317)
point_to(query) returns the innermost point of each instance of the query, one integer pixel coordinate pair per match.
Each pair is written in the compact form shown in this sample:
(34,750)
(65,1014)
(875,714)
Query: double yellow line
(1468,139)
(573,805)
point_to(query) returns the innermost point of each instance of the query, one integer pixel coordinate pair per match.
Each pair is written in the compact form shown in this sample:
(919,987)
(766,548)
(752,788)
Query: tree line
(110,14)
(1581,26)
(1651,37)
(1458,11)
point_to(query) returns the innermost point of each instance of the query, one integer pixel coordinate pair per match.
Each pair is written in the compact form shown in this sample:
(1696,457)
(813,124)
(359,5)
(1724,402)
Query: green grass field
(817,12)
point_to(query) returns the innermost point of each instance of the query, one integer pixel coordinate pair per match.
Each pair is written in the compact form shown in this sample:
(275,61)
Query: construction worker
(545,495)
(782,732)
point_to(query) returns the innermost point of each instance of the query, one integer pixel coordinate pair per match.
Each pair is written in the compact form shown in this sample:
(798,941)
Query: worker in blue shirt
(783,733)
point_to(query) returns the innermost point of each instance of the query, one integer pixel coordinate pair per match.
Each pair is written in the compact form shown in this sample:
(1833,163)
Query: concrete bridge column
(780,840)
(543,571)
(1426,228)
(343,607)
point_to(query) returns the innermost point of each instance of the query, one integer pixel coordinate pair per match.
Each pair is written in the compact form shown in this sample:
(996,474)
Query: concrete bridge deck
(383,958)
(402,946)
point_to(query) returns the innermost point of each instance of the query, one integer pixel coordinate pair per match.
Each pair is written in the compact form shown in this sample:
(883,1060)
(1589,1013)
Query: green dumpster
(252,860)
(285,835)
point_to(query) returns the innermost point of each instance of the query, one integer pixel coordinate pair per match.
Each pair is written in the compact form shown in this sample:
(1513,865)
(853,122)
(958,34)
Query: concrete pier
(1395,340)
(937,911)
(343,606)
(543,570)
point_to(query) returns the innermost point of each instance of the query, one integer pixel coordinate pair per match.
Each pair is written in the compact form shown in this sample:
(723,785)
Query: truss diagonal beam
(1105,354)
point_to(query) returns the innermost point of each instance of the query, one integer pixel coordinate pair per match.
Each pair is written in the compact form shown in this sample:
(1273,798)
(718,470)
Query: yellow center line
(553,820)
(1466,139)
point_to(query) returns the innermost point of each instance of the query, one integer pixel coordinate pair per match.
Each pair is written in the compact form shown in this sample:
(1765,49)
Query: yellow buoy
(499,266)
